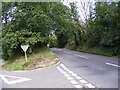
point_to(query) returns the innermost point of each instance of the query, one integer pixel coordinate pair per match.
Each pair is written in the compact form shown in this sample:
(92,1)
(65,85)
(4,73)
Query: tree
(106,32)
(33,24)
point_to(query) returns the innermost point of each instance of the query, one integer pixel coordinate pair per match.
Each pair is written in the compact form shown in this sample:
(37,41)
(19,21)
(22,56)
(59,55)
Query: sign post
(24,48)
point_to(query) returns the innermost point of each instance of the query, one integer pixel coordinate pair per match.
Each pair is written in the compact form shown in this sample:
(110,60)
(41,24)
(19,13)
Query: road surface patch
(15,79)
(113,65)
(80,79)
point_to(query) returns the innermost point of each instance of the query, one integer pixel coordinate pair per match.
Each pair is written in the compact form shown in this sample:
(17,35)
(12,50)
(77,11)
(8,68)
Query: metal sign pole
(25,56)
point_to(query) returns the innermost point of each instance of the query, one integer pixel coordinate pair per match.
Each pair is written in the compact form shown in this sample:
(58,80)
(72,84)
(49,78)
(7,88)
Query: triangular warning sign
(24,47)
(13,79)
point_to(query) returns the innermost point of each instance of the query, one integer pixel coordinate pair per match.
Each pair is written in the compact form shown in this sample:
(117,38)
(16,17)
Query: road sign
(25,47)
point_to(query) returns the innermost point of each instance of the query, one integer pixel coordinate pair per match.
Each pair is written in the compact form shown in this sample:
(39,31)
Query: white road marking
(73,82)
(69,78)
(66,75)
(113,64)
(62,65)
(19,79)
(81,56)
(66,69)
(80,79)
(67,52)
(78,86)
(71,72)
(83,81)
(90,85)
(63,72)
(58,67)
(74,74)
(60,70)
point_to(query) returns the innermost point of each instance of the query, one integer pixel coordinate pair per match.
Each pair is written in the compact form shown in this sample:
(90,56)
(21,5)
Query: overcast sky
(83,12)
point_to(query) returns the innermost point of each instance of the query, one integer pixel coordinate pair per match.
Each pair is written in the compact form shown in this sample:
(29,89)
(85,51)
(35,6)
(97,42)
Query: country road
(99,70)
(76,70)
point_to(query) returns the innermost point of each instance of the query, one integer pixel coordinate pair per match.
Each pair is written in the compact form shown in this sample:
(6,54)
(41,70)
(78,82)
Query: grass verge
(96,51)
(42,57)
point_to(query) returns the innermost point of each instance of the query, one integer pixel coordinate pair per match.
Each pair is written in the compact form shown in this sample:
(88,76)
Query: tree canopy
(33,23)
(42,23)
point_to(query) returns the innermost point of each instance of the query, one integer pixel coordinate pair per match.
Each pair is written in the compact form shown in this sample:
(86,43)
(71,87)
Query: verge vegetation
(40,58)
(96,51)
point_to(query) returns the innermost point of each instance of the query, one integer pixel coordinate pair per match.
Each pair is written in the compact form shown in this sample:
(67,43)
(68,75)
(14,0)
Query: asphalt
(46,78)
(91,67)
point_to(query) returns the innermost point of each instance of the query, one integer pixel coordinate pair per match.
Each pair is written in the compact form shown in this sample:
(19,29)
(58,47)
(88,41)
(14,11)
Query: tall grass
(39,55)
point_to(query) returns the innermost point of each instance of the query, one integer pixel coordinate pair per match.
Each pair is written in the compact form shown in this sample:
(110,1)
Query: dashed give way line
(15,79)
(75,79)
(113,64)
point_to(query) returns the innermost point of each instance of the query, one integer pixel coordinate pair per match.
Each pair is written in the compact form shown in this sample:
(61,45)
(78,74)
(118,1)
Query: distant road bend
(99,70)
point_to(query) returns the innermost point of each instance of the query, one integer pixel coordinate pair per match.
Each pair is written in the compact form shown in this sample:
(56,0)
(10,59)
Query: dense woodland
(42,23)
